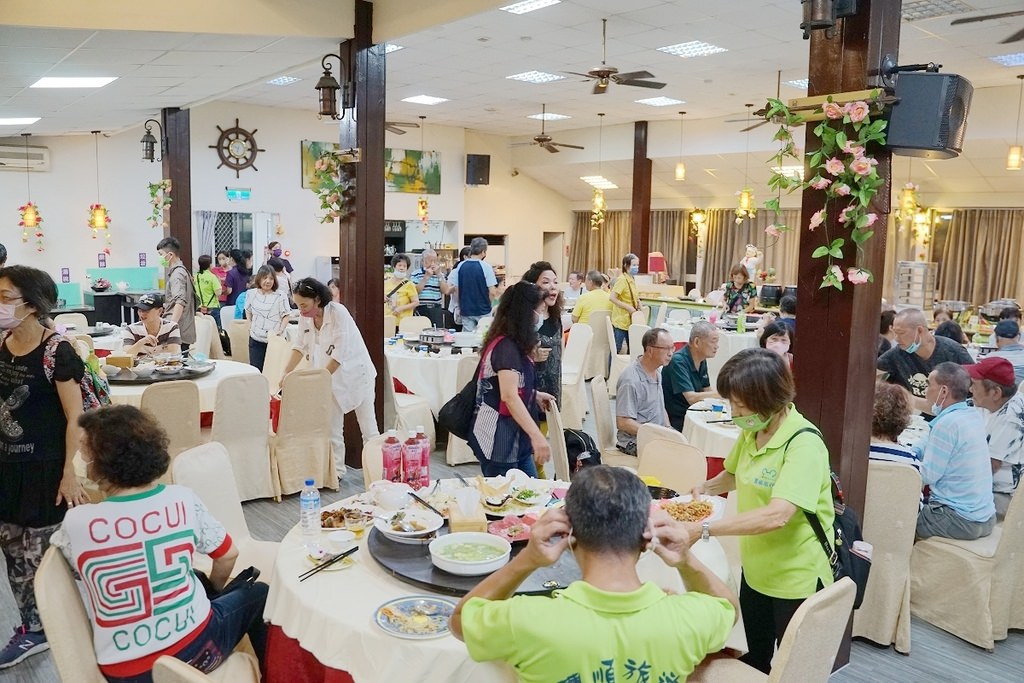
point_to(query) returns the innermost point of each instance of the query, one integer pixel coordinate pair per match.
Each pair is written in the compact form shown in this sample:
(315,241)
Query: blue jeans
(489,468)
(621,336)
(257,353)
(215,314)
(469,322)
(233,616)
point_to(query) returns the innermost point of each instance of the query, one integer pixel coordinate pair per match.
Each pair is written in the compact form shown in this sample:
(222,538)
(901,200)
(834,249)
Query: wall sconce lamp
(328,88)
(823,14)
(149,142)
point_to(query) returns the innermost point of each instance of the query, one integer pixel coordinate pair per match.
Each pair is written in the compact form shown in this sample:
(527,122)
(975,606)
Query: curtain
(600,249)
(669,236)
(206,221)
(899,246)
(981,257)
(727,241)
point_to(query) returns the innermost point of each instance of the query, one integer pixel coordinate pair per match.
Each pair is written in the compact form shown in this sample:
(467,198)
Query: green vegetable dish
(470,552)
(527,494)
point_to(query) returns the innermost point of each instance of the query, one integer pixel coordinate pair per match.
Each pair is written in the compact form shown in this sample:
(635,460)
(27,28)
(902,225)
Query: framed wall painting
(412,171)
(310,151)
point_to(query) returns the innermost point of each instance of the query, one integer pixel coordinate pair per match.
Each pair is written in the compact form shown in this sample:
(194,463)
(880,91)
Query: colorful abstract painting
(413,171)
(310,151)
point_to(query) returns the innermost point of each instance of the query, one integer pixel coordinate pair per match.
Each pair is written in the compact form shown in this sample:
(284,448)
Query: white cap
(393,432)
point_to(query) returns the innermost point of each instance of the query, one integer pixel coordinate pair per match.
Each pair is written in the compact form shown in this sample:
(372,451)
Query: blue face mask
(913,347)
(634,270)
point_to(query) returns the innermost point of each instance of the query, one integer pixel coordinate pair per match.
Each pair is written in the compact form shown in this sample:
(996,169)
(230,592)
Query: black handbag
(458,413)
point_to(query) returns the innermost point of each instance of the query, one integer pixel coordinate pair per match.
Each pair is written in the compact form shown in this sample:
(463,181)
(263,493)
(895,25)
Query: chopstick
(714,422)
(426,504)
(461,478)
(324,565)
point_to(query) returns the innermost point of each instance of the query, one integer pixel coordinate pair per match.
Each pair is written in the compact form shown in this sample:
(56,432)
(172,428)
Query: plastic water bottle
(391,453)
(421,436)
(741,322)
(309,516)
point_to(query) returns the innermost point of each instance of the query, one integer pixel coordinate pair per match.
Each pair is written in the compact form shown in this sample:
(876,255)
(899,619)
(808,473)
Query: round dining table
(429,375)
(729,344)
(131,394)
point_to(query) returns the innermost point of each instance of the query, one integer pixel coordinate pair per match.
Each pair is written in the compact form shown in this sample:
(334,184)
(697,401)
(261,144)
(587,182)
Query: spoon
(402,524)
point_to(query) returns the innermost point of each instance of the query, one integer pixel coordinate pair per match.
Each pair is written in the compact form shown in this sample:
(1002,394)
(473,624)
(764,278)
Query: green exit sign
(237,194)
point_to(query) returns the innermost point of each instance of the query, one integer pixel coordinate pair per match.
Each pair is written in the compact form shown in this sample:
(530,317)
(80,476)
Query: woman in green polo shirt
(778,472)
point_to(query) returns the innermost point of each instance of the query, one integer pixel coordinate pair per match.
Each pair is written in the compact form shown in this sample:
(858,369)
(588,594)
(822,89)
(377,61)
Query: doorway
(554,253)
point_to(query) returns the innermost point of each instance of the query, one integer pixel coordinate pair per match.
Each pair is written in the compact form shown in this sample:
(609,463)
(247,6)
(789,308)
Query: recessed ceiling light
(659,101)
(548,116)
(599,181)
(915,10)
(528,6)
(801,83)
(73,82)
(1015,59)
(27,121)
(392,47)
(283,80)
(694,48)
(425,99)
(536,77)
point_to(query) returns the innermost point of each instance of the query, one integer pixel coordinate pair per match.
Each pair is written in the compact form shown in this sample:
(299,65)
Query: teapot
(390,495)
(122,286)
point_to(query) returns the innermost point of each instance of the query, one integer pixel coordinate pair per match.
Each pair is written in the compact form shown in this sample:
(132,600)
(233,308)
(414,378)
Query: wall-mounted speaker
(478,169)
(930,118)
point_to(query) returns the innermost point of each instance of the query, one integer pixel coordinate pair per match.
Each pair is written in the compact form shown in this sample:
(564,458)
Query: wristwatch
(705,531)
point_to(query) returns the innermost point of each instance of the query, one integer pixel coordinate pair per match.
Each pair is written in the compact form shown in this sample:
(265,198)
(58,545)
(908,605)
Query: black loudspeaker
(930,119)
(478,169)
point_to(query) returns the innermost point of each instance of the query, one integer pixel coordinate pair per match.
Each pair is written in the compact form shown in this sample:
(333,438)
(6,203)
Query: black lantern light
(149,141)
(328,88)
(823,14)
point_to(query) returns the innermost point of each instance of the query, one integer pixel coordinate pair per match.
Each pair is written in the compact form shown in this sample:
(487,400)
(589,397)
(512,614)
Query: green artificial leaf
(820,252)
(841,139)
(772,204)
(815,160)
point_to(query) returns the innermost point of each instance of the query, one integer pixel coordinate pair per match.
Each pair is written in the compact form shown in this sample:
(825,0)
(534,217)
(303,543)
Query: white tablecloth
(433,376)
(131,394)
(716,439)
(110,342)
(729,344)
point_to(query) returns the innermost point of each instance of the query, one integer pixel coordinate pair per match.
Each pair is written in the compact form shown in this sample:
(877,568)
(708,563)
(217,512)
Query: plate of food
(408,524)
(685,509)
(415,617)
(513,528)
(334,518)
(314,561)
(530,495)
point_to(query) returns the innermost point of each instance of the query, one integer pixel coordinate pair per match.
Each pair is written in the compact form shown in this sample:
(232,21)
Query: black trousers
(765,620)
(435,313)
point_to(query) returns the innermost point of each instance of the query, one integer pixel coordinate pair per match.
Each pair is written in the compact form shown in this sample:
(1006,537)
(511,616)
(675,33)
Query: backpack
(583,452)
(95,389)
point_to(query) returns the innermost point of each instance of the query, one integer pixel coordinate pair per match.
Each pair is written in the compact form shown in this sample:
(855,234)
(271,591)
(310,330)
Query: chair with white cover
(808,649)
(85,339)
(206,329)
(301,448)
(67,624)
(78,320)
(411,411)
(175,406)
(605,422)
(279,350)
(373,461)
(559,452)
(715,297)
(620,361)
(597,361)
(679,315)
(641,317)
(390,325)
(207,471)
(238,333)
(662,313)
(676,465)
(890,520)
(458,450)
(967,588)
(652,431)
(413,325)
(636,335)
(239,667)
(241,422)
(227,314)
(574,390)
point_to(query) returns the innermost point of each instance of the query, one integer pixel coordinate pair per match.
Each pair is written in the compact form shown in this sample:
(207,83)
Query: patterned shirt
(955,463)
(167,334)
(430,295)
(1006,443)
(1015,354)
(265,310)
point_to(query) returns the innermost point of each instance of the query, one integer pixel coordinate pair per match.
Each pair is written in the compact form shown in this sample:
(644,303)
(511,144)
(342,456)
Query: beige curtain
(600,249)
(899,246)
(981,259)
(727,241)
(669,235)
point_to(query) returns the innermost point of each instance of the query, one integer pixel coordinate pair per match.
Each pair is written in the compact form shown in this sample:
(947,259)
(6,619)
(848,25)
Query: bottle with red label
(391,452)
(421,435)
(411,458)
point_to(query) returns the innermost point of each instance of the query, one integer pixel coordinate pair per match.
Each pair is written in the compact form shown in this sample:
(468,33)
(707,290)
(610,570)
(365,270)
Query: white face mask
(780,347)
(398,275)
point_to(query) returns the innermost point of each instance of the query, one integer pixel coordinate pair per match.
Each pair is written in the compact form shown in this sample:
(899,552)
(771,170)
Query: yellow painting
(310,151)
(413,171)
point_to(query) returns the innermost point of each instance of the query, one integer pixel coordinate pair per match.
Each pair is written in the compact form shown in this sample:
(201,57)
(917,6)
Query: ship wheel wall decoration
(237,148)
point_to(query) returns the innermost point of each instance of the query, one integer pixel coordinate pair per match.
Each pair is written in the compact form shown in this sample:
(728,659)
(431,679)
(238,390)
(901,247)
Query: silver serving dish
(992,309)
(954,306)
(433,335)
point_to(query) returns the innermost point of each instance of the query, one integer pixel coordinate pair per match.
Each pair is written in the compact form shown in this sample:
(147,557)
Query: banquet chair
(85,339)
(636,335)
(175,406)
(641,317)
(241,423)
(967,587)
(413,325)
(227,314)
(206,330)
(67,624)
(279,350)
(890,520)
(373,461)
(679,315)
(207,471)
(653,431)
(390,325)
(410,410)
(458,450)
(240,667)
(238,333)
(79,321)
(301,448)
(605,422)
(731,545)
(677,466)
(808,649)
(574,389)
(597,359)
(715,297)
(559,451)
(620,361)
(662,313)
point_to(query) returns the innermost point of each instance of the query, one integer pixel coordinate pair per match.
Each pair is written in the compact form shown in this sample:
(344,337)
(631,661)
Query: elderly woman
(779,469)
(740,293)
(778,337)
(400,295)
(134,553)
(890,417)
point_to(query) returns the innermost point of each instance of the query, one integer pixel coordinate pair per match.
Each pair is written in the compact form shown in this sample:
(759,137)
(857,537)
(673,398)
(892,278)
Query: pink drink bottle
(411,450)
(424,456)
(391,452)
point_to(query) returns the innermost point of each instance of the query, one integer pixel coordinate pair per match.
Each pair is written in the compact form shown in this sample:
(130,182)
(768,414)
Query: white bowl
(425,521)
(341,540)
(110,370)
(464,567)
(144,370)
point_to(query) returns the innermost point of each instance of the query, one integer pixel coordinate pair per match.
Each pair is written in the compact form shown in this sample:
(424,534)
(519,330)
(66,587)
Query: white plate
(717,504)
(390,616)
(429,520)
(336,567)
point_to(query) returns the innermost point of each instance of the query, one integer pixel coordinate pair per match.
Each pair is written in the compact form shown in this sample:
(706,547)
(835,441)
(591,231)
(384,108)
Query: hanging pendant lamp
(745,205)
(680,166)
(98,218)
(1013,156)
(30,218)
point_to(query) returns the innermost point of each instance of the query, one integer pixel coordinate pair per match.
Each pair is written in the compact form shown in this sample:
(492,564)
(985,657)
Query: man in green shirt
(685,381)
(609,626)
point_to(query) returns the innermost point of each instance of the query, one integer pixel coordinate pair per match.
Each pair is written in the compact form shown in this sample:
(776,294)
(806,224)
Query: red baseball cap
(999,370)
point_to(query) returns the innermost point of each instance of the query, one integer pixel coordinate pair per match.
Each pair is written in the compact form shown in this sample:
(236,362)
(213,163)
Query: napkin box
(119,360)
(460,522)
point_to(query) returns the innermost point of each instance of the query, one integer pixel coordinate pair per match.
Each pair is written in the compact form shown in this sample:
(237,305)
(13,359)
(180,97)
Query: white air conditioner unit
(17,158)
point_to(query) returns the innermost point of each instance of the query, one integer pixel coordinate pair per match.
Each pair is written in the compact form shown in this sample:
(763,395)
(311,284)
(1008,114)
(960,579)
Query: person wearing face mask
(179,291)
(625,301)
(955,461)
(779,469)
(400,295)
(917,353)
(273,250)
(778,338)
(328,338)
(548,356)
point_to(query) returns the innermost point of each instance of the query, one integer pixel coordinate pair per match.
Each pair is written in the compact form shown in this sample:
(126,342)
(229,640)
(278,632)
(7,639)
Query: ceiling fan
(397,126)
(760,112)
(544,140)
(604,75)
(1019,35)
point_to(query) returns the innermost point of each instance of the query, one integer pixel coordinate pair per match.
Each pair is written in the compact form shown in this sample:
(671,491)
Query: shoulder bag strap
(812,518)
(395,289)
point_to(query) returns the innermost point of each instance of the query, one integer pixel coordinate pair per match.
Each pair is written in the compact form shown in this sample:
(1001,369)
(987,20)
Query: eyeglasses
(663,348)
(10,299)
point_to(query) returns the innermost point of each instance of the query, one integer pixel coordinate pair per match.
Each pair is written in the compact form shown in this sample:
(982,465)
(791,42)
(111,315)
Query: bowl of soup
(469,553)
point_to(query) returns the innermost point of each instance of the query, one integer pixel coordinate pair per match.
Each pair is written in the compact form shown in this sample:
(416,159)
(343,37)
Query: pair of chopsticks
(426,504)
(715,422)
(324,565)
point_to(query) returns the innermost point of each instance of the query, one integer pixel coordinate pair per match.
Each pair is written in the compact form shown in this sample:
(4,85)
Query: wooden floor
(936,657)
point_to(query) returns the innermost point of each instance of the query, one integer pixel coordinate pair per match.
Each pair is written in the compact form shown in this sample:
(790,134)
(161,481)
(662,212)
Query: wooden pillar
(361,238)
(177,166)
(640,216)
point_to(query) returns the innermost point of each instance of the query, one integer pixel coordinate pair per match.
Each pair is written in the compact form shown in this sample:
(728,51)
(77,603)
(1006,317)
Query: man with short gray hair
(476,284)
(686,381)
(431,285)
(638,395)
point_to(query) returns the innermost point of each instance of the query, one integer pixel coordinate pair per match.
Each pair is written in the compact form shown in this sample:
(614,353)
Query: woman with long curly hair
(505,432)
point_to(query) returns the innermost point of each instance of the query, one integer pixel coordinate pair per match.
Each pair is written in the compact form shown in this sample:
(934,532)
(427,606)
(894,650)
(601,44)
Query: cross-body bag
(458,413)
(842,558)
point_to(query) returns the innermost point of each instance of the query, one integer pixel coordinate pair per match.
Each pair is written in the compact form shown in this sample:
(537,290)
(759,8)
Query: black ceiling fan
(1019,35)
(604,75)
(544,140)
